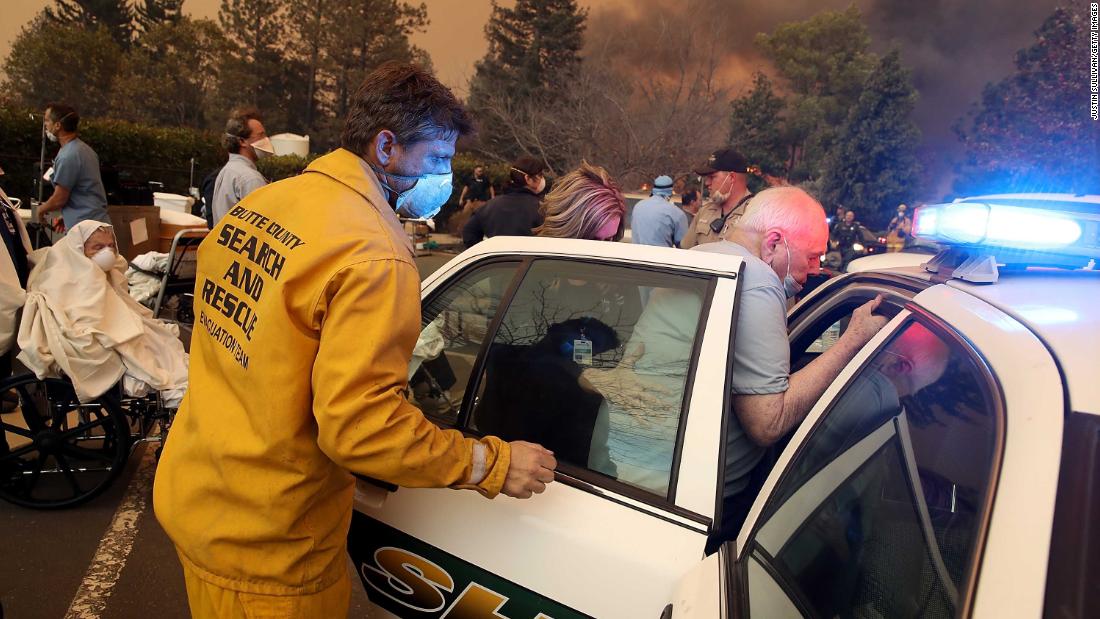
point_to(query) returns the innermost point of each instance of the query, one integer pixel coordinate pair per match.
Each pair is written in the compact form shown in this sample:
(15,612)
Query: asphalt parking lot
(108,558)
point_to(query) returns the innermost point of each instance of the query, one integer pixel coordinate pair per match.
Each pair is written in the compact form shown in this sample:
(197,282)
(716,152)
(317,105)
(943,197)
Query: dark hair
(406,100)
(237,129)
(523,167)
(66,114)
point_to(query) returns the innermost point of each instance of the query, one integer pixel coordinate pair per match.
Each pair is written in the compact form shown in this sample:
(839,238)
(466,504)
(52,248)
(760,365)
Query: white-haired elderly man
(781,237)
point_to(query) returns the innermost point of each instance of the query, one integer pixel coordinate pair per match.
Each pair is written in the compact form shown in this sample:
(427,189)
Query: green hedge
(462,166)
(142,153)
(278,168)
(138,153)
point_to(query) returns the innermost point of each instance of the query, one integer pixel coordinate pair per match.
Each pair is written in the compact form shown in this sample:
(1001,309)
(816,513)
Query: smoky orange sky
(953,47)
(455,38)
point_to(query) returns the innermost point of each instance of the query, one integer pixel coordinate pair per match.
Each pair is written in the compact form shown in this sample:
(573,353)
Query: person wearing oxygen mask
(300,380)
(246,142)
(77,185)
(79,321)
(725,174)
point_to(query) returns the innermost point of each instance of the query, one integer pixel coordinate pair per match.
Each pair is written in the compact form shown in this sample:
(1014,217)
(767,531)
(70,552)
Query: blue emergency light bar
(1025,222)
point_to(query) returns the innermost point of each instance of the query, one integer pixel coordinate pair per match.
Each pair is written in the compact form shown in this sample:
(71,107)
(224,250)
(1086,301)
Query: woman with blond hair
(584,204)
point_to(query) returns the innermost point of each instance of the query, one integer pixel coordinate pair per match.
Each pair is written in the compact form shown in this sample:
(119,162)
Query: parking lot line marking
(114,549)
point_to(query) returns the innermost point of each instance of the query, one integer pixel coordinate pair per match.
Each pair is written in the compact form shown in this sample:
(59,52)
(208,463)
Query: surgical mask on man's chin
(720,197)
(51,136)
(426,197)
(791,287)
(105,259)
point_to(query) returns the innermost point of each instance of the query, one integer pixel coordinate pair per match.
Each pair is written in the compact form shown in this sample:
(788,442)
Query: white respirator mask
(105,259)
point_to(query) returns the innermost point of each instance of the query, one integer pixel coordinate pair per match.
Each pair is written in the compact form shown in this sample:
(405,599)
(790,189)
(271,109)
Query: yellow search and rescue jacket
(307,307)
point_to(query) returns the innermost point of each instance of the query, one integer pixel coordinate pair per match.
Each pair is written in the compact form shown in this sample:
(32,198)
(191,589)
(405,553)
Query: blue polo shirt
(656,221)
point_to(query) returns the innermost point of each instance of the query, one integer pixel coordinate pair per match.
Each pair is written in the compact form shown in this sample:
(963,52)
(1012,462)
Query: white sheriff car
(953,468)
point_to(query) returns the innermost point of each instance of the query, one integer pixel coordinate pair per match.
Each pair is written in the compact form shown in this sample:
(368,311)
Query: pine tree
(313,25)
(254,71)
(168,79)
(524,78)
(873,166)
(114,16)
(823,63)
(533,47)
(1032,131)
(150,13)
(755,122)
(370,33)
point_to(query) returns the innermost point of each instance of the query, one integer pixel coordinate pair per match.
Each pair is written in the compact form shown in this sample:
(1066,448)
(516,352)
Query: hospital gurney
(178,281)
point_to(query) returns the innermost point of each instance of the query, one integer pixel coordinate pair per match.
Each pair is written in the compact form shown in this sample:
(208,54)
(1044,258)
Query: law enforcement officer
(726,176)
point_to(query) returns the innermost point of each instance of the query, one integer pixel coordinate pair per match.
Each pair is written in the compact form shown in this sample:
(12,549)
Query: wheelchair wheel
(54,451)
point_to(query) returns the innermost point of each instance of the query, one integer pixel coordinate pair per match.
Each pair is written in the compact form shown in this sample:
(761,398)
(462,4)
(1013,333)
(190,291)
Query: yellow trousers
(209,601)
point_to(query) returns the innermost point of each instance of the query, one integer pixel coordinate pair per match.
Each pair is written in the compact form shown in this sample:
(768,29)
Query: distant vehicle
(972,494)
(840,253)
(912,256)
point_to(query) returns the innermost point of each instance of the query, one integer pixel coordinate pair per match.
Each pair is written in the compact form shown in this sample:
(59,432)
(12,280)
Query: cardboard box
(137,229)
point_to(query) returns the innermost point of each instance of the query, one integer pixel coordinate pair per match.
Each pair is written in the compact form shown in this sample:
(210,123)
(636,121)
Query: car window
(455,324)
(828,337)
(592,361)
(879,513)
(828,326)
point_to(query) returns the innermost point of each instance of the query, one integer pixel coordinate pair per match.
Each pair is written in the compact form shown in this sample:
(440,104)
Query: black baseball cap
(724,160)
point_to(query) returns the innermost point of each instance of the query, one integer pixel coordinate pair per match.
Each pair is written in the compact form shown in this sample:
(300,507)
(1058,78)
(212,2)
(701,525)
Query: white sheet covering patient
(79,321)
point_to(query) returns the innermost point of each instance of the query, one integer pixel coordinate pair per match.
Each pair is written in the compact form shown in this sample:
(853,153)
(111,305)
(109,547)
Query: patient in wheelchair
(79,321)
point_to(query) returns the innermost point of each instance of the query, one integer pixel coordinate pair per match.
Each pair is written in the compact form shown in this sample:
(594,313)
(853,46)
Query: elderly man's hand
(864,324)
(531,468)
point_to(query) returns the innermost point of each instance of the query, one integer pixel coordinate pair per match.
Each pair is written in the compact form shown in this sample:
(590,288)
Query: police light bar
(1012,230)
(1066,228)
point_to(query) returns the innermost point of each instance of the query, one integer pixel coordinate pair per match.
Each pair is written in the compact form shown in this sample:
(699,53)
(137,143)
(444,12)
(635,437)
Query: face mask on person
(424,199)
(50,135)
(719,196)
(105,259)
(263,148)
(539,187)
(791,287)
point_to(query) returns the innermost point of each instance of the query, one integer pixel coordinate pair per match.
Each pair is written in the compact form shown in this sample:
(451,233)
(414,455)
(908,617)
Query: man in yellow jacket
(307,308)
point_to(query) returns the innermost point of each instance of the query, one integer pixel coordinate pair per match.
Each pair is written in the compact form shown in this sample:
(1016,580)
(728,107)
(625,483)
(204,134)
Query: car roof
(648,255)
(888,260)
(1061,307)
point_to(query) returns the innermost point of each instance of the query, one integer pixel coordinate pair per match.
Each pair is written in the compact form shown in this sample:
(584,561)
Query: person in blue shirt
(77,185)
(656,220)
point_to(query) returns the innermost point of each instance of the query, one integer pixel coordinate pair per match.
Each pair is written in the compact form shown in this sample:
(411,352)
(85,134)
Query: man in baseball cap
(726,176)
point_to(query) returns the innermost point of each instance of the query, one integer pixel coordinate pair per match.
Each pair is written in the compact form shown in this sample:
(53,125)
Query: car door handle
(371,492)
(385,485)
